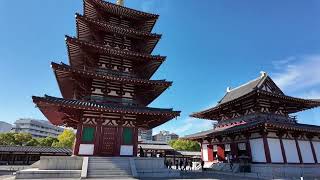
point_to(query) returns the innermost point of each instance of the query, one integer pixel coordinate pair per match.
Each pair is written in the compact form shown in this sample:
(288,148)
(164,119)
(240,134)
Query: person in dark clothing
(166,163)
(185,163)
(231,164)
(181,163)
(190,165)
(202,165)
(141,152)
(170,165)
(177,164)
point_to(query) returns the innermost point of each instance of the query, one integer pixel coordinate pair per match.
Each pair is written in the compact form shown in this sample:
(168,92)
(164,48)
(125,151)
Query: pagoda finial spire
(120,2)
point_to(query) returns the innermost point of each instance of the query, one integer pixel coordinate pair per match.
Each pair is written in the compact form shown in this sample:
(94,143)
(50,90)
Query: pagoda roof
(263,87)
(151,39)
(117,29)
(76,49)
(59,111)
(65,73)
(252,125)
(114,51)
(91,6)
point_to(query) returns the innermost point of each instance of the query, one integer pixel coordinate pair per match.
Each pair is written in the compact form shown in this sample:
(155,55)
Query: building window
(127,136)
(88,134)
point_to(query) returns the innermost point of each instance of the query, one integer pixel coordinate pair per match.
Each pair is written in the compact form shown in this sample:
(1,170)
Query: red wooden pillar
(266,147)
(118,138)
(298,150)
(313,152)
(283,151)
(78,139)
(220,152)
(135,141)
(234,150)
(248,147)
(210,153)
(97,137)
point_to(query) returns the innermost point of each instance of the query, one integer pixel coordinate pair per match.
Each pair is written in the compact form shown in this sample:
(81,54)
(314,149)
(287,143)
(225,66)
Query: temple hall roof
(258,92)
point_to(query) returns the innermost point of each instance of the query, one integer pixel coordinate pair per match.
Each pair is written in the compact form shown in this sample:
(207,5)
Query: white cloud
(297,74)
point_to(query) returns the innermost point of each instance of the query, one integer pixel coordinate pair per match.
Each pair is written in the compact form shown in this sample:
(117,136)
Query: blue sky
(210,45)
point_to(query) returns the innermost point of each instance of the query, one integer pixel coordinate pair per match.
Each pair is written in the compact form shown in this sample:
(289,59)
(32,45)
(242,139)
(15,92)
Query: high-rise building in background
(145,135)
(5,127)
(165,136)
(37,128)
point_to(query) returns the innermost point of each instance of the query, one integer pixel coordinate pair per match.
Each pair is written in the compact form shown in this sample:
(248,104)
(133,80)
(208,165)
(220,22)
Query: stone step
(109,168)
(110,176)
(103,172)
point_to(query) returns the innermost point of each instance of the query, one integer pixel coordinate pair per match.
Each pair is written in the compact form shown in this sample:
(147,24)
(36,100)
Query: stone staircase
(109,167)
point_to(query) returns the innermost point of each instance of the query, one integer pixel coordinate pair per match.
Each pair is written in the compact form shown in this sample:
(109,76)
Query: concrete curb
(84,169)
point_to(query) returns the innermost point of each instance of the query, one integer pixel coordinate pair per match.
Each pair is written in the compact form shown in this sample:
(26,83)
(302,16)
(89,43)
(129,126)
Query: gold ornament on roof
(120,2)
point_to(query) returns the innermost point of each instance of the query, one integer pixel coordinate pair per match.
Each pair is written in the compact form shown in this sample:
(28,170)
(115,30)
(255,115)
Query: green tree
(47,142)
(65,139)
(32,142)
(22,138)
(7,138)
(184,145)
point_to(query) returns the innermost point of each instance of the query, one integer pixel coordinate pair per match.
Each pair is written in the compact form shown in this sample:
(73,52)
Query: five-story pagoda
(106,88)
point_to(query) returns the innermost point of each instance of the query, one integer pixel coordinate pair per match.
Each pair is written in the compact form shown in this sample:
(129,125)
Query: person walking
(231,162)
(190,165)
(170,164)
(202,165)
(177,164)
(181,163)
(185,163)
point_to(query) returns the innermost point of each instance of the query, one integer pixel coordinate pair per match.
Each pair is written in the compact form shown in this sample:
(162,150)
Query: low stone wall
(53,167)
(153,167)
(60,163)
(286,170)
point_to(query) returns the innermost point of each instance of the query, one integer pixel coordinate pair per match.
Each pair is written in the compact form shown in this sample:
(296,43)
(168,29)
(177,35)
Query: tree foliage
(14,138)
(184,145)
(47,142)
(65,139)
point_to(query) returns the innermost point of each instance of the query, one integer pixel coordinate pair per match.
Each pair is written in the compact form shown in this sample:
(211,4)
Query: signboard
(126,150)
(86,149)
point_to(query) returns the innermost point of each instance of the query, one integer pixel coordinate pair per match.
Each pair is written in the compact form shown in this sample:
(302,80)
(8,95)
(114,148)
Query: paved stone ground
(215,177)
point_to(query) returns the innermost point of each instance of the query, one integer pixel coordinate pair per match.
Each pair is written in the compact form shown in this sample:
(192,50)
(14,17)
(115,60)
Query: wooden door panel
(108,140)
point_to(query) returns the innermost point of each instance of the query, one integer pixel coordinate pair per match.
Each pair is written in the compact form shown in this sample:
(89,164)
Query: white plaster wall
(86,149)
(316,146)
(275,150)
(257,150)
(306,152)
(205,152)
(291,151)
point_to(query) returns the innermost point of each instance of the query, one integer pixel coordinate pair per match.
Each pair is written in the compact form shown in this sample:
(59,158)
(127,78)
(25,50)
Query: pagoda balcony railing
(113,100)
(103,71)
